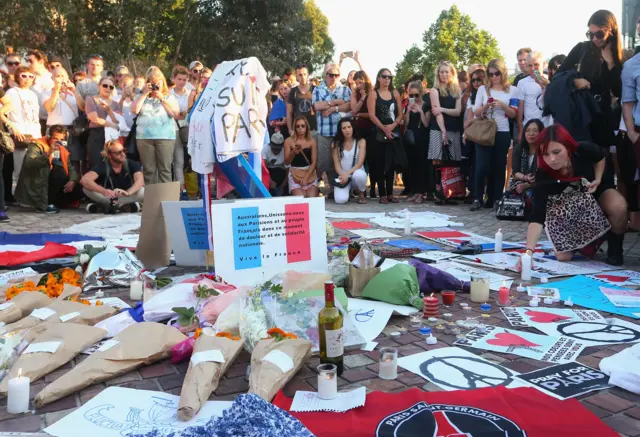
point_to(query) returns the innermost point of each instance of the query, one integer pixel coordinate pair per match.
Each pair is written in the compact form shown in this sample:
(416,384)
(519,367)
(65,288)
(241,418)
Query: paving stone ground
(618,408)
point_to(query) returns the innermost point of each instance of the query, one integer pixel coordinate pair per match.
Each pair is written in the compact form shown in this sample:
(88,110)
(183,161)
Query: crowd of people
(517,145)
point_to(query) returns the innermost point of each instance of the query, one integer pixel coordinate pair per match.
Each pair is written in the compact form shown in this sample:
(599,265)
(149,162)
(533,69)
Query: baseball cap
(277,140)
(195,64)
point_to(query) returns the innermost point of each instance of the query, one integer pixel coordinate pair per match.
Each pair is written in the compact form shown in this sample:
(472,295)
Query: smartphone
(412,100)
(537,75)
(348,54)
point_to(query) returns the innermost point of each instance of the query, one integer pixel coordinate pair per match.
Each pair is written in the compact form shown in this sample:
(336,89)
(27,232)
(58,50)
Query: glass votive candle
(448,297)
(388,363)
(327,381)
(150,288)
(415,319)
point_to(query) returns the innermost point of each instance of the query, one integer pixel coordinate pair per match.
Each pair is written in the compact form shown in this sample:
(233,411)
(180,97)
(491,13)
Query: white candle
(479,288)
(407,223)
(327,381)
(135,290)
(18,401)
(388,363)
(498,241)
(526,267)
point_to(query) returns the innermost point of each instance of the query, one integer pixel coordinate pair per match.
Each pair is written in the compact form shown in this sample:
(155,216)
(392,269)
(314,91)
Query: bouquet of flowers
(11,346)
(188,319)
(86,254)
(256,320)
(204,371)
(275,360)
(22,305)
(51,284)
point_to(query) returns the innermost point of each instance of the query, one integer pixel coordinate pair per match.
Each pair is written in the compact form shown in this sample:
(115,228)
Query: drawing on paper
(162,413)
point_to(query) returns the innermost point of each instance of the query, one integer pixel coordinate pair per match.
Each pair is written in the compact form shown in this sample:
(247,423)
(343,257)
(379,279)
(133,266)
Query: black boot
(614,249)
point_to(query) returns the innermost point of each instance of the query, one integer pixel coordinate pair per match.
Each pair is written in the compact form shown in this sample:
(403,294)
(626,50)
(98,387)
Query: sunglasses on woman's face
(301,126)
(333,74)
(13,64)
(476,79)
(599,34)
(415,96)
(105,86)
(385,76)
(495,74)
(27,76)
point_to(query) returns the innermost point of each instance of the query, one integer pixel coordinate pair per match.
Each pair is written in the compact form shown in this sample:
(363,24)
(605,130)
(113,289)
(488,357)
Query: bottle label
(335,342)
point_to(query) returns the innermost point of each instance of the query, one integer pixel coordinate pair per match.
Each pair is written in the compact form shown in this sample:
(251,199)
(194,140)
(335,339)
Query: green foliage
(454,37)
(186,316)
(140,33)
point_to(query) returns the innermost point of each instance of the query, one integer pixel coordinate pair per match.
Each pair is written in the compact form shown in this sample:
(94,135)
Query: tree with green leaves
(454,37)
(280,33)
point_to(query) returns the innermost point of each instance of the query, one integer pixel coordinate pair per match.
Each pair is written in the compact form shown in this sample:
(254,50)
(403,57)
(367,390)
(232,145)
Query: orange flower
(41,288)
(197,334)
(51,280)
(290,336)
(273,331)
(98,303)
(29,286)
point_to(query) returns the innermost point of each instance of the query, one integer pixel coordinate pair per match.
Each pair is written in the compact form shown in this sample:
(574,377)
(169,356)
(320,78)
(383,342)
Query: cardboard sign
(594,332)
(622,298)
(154,249)
(535,317)
(624,278)
(257,238)
(566,381)
(187,228)
(538,347)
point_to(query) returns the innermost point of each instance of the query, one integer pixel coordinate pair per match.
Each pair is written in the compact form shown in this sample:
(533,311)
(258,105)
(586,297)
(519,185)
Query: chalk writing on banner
(195,225)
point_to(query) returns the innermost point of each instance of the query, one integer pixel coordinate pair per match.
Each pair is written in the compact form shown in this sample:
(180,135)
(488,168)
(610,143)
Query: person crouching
(48,181)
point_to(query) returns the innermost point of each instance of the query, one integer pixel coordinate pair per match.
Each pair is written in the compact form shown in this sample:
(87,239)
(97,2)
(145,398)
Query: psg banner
(488,412)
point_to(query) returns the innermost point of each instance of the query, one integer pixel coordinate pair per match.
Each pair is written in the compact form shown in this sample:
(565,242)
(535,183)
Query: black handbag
(80,124)
(131,145)
(382,138)
(512,206)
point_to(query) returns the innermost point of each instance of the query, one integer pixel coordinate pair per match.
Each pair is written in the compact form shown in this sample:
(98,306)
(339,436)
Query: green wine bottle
(330,322)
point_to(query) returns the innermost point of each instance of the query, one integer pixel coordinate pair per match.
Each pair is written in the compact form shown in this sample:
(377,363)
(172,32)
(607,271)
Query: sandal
(418,200)
(384,201)
(393,199)
(362,200)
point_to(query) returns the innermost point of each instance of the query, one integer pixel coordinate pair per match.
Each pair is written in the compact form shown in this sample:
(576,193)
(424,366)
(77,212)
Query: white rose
(84,258)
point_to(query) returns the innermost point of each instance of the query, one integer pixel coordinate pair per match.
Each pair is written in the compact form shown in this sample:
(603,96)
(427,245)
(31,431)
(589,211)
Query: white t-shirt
(63,113)
(509,98)
(531,95)
(189,87)
(183,102)
(128,117)
(272,160)
(24,112)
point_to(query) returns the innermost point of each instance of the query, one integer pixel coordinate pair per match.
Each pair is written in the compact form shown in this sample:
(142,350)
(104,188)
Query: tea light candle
(415,319)
(568,302)
(503,295)
(447,316)
(548,301)
(544,280)
(327,381)
(521,289)
(431,339)
(18,401)
(534,302)
(388,363)
(430,306)
(135,290)
(481,329)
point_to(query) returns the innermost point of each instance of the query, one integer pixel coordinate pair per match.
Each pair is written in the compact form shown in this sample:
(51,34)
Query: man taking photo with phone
(531,90)
(48,181)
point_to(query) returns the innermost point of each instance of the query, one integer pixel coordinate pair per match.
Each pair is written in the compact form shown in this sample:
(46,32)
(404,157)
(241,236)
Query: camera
(112,208)
(155,87)
(61,143)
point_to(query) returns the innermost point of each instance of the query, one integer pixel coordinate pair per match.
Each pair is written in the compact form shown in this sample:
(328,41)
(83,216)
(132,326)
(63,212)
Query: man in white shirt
(273,156)
(194,75)
(531,90)
(44,81)
(180,77)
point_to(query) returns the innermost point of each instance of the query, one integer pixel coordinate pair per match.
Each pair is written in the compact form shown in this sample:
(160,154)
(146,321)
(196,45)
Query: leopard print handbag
(574,219)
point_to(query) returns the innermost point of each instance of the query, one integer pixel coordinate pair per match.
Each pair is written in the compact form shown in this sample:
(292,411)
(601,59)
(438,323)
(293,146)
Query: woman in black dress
(385,112)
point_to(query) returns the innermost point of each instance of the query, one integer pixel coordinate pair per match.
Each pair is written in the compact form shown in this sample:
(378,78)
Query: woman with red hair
(571,199)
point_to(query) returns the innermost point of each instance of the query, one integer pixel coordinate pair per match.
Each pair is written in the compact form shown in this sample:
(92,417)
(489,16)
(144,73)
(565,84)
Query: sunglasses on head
(495,74)
(386,76)
(13,64)
(415,96)
(27,76)
(599,34)
(333,74)
(104,85)
(96,56)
